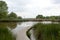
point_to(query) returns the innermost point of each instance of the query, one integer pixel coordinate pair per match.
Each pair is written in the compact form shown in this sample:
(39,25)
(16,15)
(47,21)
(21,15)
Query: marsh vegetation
(5,33)
(46,31)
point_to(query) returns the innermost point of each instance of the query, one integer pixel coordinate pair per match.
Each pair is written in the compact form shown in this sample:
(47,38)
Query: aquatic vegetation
(5,34)
(46,31)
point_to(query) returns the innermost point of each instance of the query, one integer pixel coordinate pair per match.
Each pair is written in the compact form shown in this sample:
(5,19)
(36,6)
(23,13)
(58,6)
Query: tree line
(4,14)
(47,17)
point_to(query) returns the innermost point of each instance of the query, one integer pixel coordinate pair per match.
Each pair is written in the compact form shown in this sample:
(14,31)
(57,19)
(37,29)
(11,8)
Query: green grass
(46,31)
(5,34)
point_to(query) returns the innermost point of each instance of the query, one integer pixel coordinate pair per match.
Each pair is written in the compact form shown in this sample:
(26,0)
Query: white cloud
(31,8)
(56,1)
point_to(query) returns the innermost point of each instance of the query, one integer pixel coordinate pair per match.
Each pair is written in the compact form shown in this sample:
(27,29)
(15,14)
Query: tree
(3,10)
(57,17)
(12,15)
(39,16)
(19,17)
(52,17)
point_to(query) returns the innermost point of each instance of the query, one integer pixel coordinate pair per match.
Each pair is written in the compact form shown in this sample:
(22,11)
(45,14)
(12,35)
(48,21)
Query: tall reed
(47,31)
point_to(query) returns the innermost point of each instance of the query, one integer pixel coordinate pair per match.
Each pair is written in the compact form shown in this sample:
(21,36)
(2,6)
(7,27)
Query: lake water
(19,29)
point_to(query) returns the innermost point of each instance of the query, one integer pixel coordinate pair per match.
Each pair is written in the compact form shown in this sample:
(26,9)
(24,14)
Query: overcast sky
(31,8)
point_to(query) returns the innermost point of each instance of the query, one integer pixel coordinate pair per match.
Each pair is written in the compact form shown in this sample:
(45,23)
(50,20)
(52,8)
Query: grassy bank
(5,34)
(46,31)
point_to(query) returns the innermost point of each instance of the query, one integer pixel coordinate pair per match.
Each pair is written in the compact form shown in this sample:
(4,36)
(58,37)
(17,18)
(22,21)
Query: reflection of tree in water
(12,24)
(3,25)
(8,24)
(19,23)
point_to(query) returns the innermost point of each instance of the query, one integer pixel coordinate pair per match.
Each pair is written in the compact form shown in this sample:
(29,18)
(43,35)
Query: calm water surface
(19,29)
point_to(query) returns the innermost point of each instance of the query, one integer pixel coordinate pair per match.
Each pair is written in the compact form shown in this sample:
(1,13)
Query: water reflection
(21,29)
(11,25)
